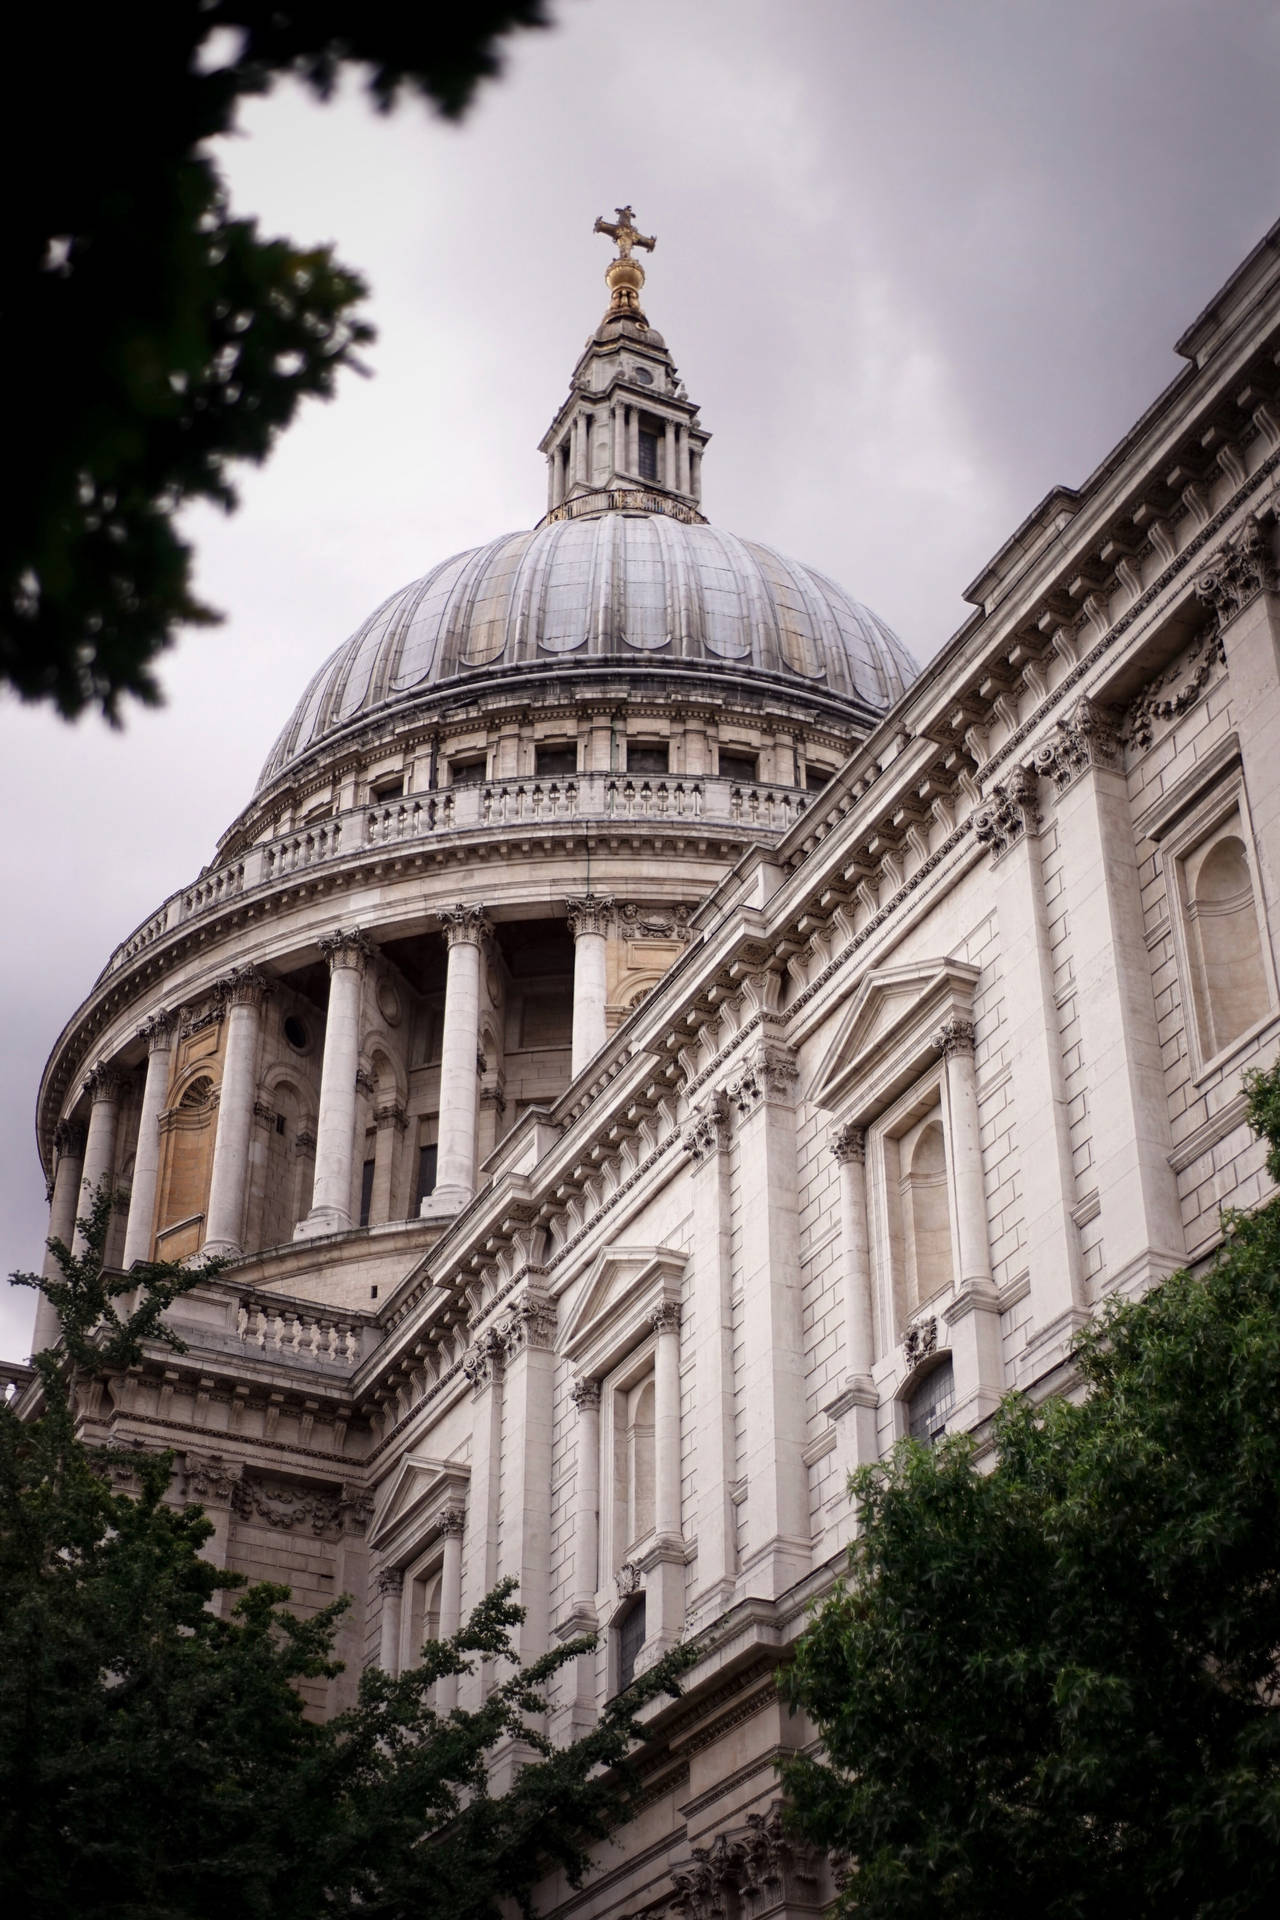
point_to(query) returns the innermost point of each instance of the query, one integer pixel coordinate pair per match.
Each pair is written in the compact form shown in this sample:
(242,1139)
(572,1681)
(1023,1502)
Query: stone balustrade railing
(297,1334)
(477,808)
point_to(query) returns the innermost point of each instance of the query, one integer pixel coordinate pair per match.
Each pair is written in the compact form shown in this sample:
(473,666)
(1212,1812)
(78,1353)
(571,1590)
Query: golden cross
(623,231)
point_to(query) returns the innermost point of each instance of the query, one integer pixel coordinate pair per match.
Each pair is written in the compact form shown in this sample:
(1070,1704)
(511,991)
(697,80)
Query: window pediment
(886,1038)
(411,1508)
(620,1292)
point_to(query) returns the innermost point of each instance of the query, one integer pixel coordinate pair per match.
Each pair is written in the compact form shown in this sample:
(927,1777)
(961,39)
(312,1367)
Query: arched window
(926,1214)
(422,1613)
(930,1403)
(198,1094)
(633,1463)
(1222,924)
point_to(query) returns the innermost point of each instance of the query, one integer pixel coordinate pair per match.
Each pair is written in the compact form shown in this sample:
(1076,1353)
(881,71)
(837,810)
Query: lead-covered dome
(631,589)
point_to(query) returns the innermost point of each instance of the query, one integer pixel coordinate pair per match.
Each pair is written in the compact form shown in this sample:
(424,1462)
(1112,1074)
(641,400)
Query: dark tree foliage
(155,1761)
(1051,1685)
(153,340)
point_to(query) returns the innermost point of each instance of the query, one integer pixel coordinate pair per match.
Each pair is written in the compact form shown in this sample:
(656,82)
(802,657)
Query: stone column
(103,1088)
(390,1585)
(390,1121)
(589,919)
(525,1533)
(453,1523)
(483,1365)
(972,1317)
(586,1516)
(633,442)
(347,955)
(706,1140)
(224,1219)
(619,438)
(68,1145)
(853,1411)
(1128,1101)
(464,929)
(1241,588)
(666,1421)
(670,469)
(1011,825)
(158,1034)
(684,459)
(777,1549)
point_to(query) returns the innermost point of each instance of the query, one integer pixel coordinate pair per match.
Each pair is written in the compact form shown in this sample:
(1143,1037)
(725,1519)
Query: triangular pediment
(418,1492)
(622,1286)
(886,1035)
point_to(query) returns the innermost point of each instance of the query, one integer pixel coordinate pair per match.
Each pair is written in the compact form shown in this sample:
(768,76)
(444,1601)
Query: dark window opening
(630,1640)
(931,1404)
(279,1123)
(295,1033)
(648,455)
(391,788)
(366,1191)
(739,766)
(555,763)
(373,1293)
(426,1174)
(647,756)
(816,778)
(466,773)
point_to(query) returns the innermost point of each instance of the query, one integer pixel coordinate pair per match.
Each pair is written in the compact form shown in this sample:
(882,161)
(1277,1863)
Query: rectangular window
(366,1191)
(426,1174)
(648,455)
(392,788)
(466,773)
(931,1404)
(631,1635)
(816,778)
(739,766)
(555,762)
(647,756)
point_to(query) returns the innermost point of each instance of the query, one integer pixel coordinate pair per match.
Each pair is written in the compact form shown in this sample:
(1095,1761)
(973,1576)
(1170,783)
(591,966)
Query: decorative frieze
(210,1478)
(1173,692)
(654,923)
(1244,567)
(323,1511)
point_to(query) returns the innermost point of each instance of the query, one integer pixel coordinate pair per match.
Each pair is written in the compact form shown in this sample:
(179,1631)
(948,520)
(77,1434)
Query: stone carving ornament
(708,1127)
(849,1143)
(1243,567)
(920,1340)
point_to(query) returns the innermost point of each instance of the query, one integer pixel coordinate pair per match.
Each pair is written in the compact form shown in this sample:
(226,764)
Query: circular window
(296,1034)
(642,376)
(389,1003)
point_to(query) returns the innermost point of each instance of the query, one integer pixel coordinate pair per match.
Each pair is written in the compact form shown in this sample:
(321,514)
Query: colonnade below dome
(310,1096)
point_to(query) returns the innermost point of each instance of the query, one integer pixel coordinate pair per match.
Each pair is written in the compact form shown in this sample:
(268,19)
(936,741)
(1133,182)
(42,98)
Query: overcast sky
(917,260)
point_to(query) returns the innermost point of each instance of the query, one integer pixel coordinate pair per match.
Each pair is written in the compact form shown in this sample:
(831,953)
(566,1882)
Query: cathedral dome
(616,587)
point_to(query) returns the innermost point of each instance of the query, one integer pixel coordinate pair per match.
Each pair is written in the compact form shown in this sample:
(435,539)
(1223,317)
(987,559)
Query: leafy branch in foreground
(156,1760)
(1053,1687)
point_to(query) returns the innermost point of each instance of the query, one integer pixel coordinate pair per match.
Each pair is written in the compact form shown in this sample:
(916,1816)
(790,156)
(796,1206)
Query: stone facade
(606,1176)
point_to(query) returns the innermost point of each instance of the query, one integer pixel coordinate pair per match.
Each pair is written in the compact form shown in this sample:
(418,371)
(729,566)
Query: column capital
(245,987)
(391,1114)
(1243,567)
(68,1140)
(103,1083)
(585,1395)
(849,1144)
(1089,736)
(1012,808)
(453,1520)
(390,1580)
(530,1323)
(953,1037)
(463,926)
(665,1317)
(346,947)
(589,913)
(708,1127)
(159,1030)
(770,1074)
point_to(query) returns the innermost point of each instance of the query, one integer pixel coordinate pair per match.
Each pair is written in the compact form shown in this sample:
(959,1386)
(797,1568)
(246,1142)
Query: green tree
(155,1759)
(152,340)
(1050,1684)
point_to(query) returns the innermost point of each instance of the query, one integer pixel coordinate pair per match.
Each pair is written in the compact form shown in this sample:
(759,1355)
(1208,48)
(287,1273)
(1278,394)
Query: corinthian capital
(463,926)
(159,1030)
(1238,573)
(103,1083)
(589,913)
(246,987)
(954,1036)
(849,1143)
(346,948)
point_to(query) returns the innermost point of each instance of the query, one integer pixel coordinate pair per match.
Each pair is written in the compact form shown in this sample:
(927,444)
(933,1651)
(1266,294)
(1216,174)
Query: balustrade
(489,805)
(305,1336)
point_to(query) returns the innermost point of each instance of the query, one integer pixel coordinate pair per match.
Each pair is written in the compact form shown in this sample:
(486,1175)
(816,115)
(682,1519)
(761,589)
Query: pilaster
(706,1141)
